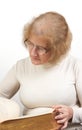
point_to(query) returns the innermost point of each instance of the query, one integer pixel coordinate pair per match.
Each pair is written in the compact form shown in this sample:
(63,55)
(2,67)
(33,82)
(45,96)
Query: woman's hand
(65,113)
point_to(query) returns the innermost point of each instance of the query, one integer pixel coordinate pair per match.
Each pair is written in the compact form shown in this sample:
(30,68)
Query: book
(40,122)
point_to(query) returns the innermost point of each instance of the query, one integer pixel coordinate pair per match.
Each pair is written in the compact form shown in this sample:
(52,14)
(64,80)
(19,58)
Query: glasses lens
(39,49)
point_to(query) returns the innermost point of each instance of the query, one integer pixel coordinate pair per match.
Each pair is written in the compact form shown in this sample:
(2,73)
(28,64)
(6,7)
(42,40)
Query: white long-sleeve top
(42,86)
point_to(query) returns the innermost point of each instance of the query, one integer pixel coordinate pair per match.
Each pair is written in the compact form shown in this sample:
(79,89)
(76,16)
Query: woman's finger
(65,125)
(61,121)
(60,116)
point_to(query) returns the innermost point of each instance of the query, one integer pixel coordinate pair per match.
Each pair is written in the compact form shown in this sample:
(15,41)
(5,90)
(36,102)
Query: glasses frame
(41,50)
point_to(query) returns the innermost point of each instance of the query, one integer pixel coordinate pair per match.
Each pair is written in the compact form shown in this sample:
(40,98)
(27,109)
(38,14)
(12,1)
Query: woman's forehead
(40,40)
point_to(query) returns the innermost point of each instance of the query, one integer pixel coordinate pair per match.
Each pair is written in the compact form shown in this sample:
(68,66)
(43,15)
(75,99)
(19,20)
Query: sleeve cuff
(77,114)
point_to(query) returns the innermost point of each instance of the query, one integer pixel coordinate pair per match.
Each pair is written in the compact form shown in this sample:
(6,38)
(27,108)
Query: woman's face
(39,49)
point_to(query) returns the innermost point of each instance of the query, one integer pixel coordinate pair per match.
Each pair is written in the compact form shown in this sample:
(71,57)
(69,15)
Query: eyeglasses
(40,50)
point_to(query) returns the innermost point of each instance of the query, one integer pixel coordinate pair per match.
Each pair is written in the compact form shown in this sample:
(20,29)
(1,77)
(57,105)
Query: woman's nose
(34,51)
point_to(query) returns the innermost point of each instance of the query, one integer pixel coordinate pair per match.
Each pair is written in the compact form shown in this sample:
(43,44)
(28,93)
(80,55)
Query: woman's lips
(35,58)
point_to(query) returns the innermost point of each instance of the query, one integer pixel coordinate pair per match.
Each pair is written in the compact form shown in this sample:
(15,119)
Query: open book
(41,122)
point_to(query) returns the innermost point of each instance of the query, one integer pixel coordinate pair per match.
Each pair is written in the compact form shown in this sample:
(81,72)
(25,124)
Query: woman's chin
(35,62)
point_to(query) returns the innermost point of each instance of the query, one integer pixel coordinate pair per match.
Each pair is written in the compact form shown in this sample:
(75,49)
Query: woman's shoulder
(74,59)
(72,62)
(77,62)
(22,63)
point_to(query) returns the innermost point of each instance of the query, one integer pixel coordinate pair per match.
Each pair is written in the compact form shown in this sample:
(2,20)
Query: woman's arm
(9,85)
(77,111)
(73,113)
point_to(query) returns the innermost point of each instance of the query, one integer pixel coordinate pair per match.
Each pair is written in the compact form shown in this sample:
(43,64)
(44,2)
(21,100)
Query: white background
(15,13)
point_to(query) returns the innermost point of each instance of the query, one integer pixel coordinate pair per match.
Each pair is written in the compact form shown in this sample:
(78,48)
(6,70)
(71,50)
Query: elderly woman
(50,78)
